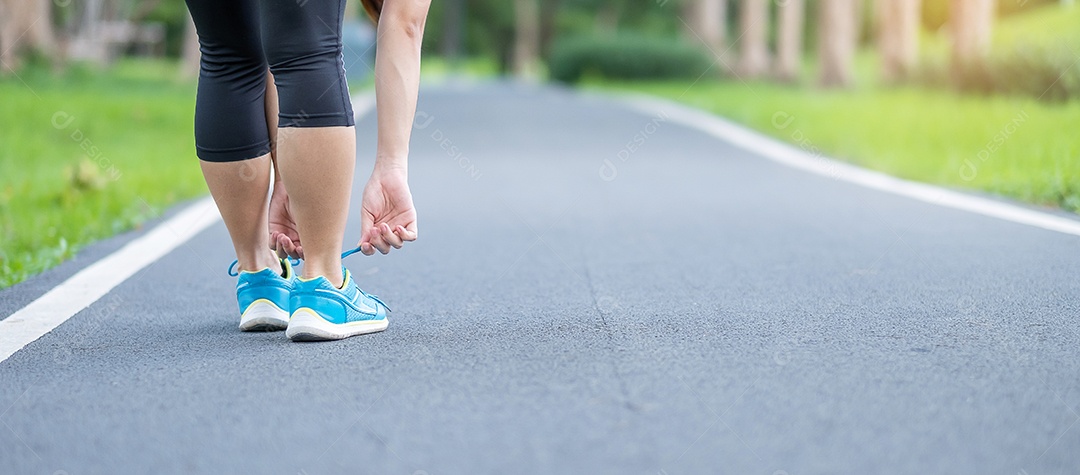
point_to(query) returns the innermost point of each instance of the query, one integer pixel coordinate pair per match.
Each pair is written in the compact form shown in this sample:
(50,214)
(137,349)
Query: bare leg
(316,143)
(317,165)
(240,191)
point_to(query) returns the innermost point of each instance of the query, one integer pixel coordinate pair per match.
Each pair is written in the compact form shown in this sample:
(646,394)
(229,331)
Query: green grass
(930,136)
(436,67)
(125,155)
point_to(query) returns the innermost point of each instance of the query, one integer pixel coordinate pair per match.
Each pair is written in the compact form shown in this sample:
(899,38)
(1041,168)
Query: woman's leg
(316,143)
(240,191)
(317,165)
(230,124)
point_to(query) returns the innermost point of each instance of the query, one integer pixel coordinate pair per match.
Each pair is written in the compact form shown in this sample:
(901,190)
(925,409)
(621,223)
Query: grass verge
(1012,146)
(86,154)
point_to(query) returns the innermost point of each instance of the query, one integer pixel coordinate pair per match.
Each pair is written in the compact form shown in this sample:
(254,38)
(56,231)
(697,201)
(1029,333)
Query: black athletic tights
(299,40)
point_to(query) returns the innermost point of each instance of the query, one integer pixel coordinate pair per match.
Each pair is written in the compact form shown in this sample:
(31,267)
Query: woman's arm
(397,77)
(388,217)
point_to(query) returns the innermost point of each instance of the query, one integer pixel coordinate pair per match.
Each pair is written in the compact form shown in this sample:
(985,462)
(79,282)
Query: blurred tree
(489,31)
(607,17)
(453,22)
(190,57)
(173,15)
(549,11)
(705,22)
(971,22)
(754,38)
(526,37)
(898,37)
(935,13)
(837,40)
(25,25)
(791,16)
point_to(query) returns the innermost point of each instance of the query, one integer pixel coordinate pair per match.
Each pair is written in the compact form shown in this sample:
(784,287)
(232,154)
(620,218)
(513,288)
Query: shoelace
(232,273)
(295,262)
(373,297)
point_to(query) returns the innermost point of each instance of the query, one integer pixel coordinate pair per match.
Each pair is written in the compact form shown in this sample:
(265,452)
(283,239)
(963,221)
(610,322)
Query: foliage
(1032,54)
(625,57)
(935,13)
(174,15)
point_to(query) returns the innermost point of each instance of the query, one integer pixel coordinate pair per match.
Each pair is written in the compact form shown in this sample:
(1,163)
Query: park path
(596,289)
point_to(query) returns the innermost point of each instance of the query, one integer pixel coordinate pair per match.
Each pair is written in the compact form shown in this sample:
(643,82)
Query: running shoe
(263,297)
(321,311)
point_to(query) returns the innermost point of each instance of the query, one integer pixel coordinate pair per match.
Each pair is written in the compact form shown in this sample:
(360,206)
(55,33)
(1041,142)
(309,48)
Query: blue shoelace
(296,262)
(233,273)
(373,297)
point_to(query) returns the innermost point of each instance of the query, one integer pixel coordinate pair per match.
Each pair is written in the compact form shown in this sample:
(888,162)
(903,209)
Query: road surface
(596,289)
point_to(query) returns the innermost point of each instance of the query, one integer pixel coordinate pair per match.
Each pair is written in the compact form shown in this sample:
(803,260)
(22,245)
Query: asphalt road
(698,310)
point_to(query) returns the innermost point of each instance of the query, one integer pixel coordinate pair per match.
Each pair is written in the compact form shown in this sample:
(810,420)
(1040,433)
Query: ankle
(259,261)
(336,278)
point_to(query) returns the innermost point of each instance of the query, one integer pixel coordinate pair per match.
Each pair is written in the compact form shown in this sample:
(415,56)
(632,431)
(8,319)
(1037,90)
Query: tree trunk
(40,34)
(705,22)
(8,26)
(754,46)
(24,25)
(971,23)
(549,10)
(898,37)
(453,26)
(789,39)
(189,64)
(526,37)
(838,37)
(607,19)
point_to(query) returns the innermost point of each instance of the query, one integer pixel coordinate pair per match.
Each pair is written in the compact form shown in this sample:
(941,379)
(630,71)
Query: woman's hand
(283,235)
(388,218)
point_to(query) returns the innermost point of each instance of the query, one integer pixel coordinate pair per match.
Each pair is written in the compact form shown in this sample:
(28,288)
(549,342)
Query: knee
(302,52)
(321,60)
(234,61)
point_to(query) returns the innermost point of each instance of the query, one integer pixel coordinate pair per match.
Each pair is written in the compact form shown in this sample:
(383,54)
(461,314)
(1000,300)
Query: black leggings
(299,40)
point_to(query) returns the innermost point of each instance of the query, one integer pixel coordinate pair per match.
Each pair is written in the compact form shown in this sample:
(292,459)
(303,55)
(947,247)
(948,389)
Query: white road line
(90,284)
(791,156)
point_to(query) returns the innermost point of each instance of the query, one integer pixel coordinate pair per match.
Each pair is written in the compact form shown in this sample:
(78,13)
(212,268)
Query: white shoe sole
(264,316)
(306,325)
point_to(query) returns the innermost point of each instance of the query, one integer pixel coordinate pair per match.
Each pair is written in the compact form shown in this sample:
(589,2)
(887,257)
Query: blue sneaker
(324,312)
(264,297)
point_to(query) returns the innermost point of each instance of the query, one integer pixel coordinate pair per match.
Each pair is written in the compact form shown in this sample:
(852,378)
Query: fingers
(382,238)
(379,241)
(367,226)
(365,243)
(286,247)
(275,247)
(406,234)
(390,237)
